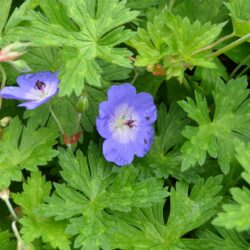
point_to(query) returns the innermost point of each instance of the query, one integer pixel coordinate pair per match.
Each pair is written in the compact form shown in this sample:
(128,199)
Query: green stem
(16,233)
(55,118)
(239,66)
(187,86)
(135,77)
(9,206)
(20,243)
(57,122)
(3,81)
(222,39)
(230,46)
(79,116)
(171,5)
(243,71)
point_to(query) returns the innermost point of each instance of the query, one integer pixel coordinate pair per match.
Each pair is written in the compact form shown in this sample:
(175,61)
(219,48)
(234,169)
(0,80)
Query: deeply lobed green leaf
(174,42)
(16,151)
(215,136)
(33,225)
(86,30)
(91,190)
(146,229)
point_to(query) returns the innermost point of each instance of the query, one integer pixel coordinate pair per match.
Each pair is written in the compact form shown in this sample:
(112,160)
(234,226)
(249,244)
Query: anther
(40,85)
(130,123)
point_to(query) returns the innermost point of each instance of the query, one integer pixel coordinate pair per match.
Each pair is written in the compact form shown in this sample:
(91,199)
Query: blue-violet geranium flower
(125,121)
(35,89)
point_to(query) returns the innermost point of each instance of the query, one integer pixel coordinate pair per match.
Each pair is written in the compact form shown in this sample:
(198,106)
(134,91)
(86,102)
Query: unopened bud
(5,194)
(12,51)
(5,121)
(21,66)
(82,104)
(8,57)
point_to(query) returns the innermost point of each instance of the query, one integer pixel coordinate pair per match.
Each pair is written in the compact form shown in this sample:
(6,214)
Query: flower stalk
(222,39)
(58,124)
(55,118)
(20,244)
(4,78)
(230,46)
(239,66)
(5,196)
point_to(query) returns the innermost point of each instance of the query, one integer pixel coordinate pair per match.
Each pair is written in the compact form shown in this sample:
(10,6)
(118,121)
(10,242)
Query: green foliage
(230,120)
(243,156)
(208,11)
(98,189)
(43,59)
(4,12)
(35,226)
(140,4)
(221,239)
(19,13)
(16,152)
(164,160)
(209,77)
(6,242)
(146,229)
(174,42)
(86,30)
(111,72)
(95,96)
(240,14)
(155,45)
(237,215)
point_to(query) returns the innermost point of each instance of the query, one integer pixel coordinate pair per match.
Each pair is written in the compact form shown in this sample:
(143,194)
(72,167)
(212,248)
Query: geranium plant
(124,124)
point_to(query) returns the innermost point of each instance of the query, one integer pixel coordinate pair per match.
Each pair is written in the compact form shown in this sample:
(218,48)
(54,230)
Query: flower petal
(29,80)
(102,125)
(17,93)
(144,140)
(124,93)
(120,154)
(30,105)
(34,104)
(146,109)
(105,110)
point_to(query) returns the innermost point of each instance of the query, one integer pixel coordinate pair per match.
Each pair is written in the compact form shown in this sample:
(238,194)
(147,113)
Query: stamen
(130,123)
(40,86)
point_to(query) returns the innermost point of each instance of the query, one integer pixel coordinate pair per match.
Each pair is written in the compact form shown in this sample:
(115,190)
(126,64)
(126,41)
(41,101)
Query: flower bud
(82,104)
(21,66)
(9,56)
(5,121)
(12,51)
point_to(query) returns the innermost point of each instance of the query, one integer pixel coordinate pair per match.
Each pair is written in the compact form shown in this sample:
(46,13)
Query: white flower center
(123,124)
